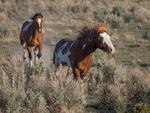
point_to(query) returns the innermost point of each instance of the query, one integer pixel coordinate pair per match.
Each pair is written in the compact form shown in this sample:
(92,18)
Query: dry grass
(109,87)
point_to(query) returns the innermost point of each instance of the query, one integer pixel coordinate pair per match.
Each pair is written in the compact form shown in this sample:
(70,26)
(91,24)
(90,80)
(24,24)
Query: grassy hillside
(116,84)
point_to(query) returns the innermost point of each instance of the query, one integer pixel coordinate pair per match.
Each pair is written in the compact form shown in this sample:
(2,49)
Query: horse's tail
(54,53)
(54,56)
(22,40)
(57,46)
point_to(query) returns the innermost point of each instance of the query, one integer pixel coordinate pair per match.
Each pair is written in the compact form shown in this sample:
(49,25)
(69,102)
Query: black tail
(54,56)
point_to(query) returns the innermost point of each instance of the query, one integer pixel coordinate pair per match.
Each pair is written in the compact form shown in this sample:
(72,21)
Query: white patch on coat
(107,40)
(28,25)
(60,57)
(24,54)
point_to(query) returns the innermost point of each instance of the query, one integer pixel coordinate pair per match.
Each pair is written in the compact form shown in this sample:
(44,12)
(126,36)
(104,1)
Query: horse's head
(103,41)
(38,19)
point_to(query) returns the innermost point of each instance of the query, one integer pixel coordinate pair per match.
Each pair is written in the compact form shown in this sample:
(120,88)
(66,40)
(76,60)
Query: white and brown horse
(31,35)
(78,53)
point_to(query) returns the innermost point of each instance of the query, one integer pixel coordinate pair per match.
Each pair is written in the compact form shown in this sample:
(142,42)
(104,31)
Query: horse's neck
(88,47)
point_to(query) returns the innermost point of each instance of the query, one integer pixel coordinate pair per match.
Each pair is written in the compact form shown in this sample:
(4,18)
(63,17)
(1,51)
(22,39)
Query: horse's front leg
(76,73)
(40,52)
(84,73)
(68,72)
(37,53)
(30,56)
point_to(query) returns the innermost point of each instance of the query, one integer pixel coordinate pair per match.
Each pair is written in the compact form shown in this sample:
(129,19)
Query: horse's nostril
(110,49)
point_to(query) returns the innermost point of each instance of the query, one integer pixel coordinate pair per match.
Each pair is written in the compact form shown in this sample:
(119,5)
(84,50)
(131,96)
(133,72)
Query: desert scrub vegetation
(109,87)
(121,13)
(37,90)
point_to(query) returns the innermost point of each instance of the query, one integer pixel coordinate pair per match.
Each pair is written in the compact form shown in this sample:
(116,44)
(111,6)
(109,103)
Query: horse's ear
(32,18)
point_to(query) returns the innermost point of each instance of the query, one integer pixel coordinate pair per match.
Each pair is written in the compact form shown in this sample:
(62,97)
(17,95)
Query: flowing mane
(91,32)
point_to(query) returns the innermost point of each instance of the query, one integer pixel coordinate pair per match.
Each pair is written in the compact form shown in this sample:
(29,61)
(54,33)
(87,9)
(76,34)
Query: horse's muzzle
(113,50)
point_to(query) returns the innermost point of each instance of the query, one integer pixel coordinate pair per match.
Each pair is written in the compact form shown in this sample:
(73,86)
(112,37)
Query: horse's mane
(91,32)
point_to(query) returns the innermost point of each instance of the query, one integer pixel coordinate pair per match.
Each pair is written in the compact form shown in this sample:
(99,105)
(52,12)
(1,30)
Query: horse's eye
(100,38)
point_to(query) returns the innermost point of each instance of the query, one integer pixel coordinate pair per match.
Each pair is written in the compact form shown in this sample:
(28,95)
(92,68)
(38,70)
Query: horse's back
(60,43)
(24,31)
(26,25)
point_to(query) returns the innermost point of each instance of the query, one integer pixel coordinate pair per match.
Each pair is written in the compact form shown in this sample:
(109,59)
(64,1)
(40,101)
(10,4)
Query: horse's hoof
(39,55)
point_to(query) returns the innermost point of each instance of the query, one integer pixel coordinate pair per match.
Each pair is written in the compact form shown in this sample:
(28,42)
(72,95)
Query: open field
(115,84)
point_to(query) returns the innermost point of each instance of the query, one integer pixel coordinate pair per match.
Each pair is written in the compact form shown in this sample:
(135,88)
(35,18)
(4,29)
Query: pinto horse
(78,53)
(31,35)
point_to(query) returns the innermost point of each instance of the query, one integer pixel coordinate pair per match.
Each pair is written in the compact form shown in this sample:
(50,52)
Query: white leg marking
(30,63)
(24,55)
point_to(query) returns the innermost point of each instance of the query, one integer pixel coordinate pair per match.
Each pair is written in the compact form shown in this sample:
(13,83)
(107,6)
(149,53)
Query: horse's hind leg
(24,52)
(30,56)
(24,55)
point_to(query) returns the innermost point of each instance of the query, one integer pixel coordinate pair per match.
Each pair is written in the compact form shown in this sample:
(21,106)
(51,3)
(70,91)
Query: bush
(117,10)
(65,95)
(78,9)
(4,31)
(114,21)
(138,98)
(146,35)
(106,86)
(100,14)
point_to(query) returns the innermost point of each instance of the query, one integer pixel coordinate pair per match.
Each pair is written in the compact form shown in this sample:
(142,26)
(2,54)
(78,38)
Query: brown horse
(78,53)
(31,35)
